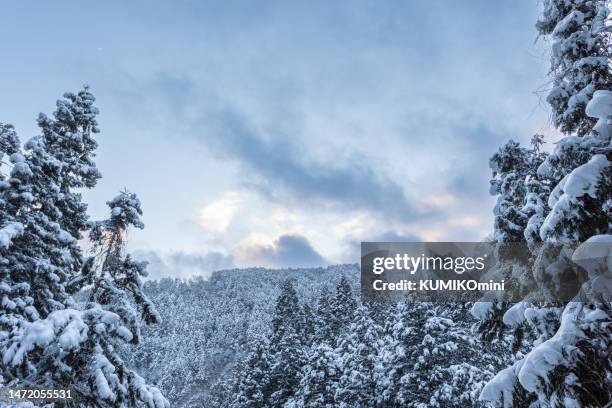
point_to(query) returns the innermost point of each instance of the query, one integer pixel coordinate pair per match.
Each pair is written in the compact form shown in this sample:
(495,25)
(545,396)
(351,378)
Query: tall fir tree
(570,364)
(323,319)
(342,307)
(319,382)
(278,366)
(287,312)
(518,211)
(537,189)
(286,364)
(252,383)
(358,351)
(307,325)
(46,338)
(69,139)
(115,277)
(510,165)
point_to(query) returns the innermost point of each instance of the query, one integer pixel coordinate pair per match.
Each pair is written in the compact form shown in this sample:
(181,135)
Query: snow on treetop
(126,209)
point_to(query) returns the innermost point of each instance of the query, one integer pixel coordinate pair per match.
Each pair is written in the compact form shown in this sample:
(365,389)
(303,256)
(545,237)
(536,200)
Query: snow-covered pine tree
(537,189)
(15,301)
(319,382)
(9,146)
(286,363)
(358,351)
(45,256)
(69,138)
(9,143)
(252,379)
(510,165)
(323,319)
(115,277)
(307,325)
(286,347)
(287,313)
(398,341)
(277,364)
(429,357)
(47,341)
(450,366)
(579,63)
(518,211)
(571,365)
(42,259)
(115,285)
(342,307)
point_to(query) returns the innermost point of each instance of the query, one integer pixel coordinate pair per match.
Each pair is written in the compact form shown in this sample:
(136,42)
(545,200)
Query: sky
(284,133)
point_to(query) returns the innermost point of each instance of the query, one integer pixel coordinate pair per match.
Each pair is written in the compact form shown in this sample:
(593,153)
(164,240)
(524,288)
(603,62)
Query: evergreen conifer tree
(323,319)
(251,390)
(308,325)
(46,339)
(342,308)
(570,364)
(319,382)
(114,276)
(358,351)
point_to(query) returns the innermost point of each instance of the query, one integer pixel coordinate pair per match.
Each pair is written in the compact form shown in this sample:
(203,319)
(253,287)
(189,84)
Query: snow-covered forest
(75,312)
(222,342)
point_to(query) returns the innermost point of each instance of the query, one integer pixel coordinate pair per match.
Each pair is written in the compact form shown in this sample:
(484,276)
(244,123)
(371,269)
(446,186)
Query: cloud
(282,171)
(394,236)
(183,264)
(331,113)
(289,250)
(352,253)
(217,216)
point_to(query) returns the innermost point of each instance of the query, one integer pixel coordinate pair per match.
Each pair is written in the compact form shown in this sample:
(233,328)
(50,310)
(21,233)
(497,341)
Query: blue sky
(284,133)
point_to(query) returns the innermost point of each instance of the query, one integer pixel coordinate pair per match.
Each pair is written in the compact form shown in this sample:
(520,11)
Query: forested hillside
(259,337)
(209,324)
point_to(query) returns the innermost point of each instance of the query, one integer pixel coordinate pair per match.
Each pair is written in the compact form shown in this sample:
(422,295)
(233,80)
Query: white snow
(583,180)
(65,237)
(600,106)
(481,310)
(73,334)
(501,387)
(553,352)
(516,314)
(102,386)
(557,192)
(68,327)
(8,232)
(595,254)
(39,334)
(572,19)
